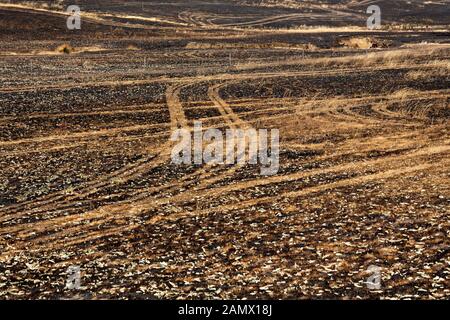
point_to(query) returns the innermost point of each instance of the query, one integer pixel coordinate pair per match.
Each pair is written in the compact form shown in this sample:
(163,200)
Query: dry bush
(364,43)
(65,48)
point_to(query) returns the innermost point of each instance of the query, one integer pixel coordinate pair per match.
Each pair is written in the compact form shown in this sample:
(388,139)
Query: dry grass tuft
(271,45)
(405,93)
(133,47)
(434,69)
(387,58)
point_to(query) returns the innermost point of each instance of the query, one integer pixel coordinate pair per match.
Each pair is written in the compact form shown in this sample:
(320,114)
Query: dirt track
(87,180)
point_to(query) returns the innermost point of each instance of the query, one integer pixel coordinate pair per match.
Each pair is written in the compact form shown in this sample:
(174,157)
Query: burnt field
(87,180)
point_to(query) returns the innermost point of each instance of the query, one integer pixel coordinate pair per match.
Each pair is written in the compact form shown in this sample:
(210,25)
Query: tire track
(23,232)
(126,173)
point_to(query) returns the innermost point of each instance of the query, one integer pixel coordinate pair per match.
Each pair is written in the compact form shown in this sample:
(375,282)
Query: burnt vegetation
(86,178)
